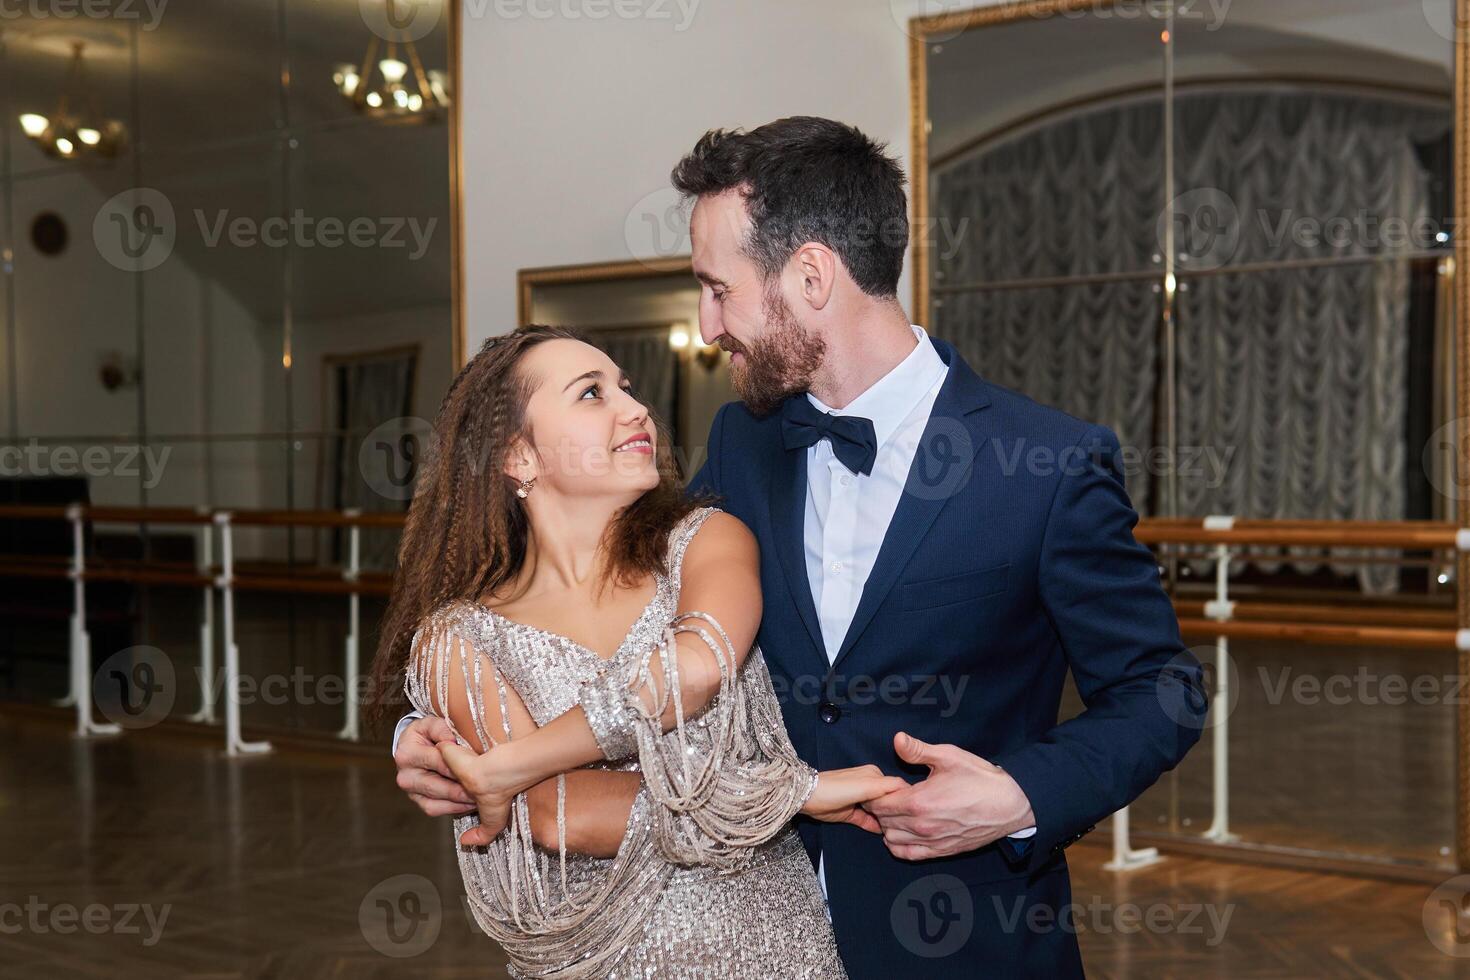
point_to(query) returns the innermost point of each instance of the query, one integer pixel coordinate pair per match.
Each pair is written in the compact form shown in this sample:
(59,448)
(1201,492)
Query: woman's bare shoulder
(722,536)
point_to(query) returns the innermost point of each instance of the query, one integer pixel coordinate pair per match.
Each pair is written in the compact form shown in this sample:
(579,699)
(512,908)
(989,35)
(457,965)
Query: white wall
(570,123)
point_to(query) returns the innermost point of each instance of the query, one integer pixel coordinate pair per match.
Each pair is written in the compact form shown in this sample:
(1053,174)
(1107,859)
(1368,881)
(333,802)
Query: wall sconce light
(117,370)
(681,338)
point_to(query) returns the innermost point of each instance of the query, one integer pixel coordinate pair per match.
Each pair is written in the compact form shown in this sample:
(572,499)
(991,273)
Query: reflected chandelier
(68,134)
(383,89)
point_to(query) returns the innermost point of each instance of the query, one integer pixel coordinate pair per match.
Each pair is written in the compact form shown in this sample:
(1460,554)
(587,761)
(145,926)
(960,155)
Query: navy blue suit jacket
(1009,561)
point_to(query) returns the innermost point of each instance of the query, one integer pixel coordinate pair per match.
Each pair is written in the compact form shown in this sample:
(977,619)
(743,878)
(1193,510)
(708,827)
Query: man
(936,553)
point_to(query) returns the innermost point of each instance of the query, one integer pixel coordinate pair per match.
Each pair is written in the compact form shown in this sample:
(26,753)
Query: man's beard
(778,365)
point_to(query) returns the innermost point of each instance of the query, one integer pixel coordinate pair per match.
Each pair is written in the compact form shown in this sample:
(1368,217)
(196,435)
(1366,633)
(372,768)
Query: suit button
(829,712)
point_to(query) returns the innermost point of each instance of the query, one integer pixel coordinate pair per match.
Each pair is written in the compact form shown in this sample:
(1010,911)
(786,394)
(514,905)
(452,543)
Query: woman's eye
(589,390)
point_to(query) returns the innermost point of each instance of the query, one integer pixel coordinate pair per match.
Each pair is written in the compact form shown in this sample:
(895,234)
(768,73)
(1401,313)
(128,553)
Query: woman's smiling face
(590,435)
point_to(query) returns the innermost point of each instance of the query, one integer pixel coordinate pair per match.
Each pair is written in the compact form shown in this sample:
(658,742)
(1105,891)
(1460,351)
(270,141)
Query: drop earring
(524,490)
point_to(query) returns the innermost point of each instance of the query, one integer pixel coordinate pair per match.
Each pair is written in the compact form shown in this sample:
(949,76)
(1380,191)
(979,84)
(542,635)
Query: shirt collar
(890,399)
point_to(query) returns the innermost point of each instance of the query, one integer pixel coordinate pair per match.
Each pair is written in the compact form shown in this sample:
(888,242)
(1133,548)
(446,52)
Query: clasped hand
(492,779)
(965,803)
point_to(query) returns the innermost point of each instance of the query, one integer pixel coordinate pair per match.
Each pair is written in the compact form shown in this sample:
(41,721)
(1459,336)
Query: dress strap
(679,539)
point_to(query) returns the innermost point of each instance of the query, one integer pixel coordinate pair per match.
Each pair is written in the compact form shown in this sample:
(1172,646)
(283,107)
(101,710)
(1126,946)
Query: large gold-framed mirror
(230,262)
(1228,232)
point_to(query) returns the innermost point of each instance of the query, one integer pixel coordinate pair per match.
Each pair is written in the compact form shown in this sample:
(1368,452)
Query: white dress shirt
(847,514)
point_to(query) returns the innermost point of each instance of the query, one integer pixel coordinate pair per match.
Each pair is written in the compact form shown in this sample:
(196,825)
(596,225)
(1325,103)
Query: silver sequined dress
(711,880)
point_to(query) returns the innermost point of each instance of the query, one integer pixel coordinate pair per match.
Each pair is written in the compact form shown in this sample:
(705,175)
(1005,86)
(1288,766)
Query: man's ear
(816,268)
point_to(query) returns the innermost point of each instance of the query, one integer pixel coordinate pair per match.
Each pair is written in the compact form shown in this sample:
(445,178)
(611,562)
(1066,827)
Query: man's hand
(963,804)
(424,775)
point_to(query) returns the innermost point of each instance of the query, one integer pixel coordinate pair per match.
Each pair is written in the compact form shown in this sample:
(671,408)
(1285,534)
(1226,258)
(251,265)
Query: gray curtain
(1294,379)
(368,393)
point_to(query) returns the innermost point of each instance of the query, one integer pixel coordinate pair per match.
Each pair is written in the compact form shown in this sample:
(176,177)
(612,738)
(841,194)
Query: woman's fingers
(884,785)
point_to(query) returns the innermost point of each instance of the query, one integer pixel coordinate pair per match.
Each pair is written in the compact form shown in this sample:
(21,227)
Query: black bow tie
(853,441)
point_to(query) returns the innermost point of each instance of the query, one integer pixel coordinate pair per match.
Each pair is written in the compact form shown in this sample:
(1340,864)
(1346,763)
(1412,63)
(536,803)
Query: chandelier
(69,134)
(382,88)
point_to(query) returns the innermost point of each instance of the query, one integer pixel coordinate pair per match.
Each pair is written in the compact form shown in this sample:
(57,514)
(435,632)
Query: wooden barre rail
(1323,635)
(184,515)
(1305,623)
(1406,535)
(1338,615)
(1412,535)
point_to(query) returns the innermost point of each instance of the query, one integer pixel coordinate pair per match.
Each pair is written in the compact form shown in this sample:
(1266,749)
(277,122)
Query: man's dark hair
(807,179)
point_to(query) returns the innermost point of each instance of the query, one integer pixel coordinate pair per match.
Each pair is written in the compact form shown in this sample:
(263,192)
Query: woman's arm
(598,802)
(720,577)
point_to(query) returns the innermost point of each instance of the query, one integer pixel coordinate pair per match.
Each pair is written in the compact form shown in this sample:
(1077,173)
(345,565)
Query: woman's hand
(492,780)
(840,794)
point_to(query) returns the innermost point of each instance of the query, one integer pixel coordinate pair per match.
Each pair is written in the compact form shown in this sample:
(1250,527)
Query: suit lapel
(788,521)
(941,469)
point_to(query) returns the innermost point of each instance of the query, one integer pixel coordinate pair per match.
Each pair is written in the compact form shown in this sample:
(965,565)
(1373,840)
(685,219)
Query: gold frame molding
(554,275)
(947,25)
(456,189)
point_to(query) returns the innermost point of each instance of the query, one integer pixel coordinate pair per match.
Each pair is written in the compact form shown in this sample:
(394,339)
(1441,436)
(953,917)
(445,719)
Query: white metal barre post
(234,744)
(206,631)
(1125,856)
(350,729)
(1221,610)
(81,640)
(76,629)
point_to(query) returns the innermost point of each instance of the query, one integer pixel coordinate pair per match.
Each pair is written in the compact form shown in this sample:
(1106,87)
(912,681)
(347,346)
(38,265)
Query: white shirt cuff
(414,716)
(1019,835)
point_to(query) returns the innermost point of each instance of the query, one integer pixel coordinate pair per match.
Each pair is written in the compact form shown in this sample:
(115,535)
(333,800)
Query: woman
(635,783)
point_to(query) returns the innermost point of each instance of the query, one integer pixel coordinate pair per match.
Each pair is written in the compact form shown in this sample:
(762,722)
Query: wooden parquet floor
(153,855)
